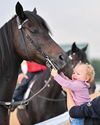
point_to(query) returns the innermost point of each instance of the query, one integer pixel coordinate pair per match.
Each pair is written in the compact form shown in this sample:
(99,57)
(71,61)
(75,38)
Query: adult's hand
(70,102)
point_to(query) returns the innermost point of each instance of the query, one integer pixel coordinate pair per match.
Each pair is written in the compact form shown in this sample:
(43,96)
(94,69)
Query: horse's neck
(8,81)
(9,59)
(9,63)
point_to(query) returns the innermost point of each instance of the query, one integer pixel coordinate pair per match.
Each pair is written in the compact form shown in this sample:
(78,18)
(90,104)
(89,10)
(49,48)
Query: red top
(35,67)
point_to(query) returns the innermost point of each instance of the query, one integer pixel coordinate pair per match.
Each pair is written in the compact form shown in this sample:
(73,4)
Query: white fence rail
(62,119)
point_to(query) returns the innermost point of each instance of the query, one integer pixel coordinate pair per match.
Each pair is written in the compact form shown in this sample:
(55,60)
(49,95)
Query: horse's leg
(4,118)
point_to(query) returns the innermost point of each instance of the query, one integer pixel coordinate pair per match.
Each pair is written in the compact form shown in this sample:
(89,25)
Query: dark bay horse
(51,101)
(24,37)
(76,55)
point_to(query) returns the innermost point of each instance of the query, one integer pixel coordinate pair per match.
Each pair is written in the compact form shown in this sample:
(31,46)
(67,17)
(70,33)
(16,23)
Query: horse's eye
(61,57)
(33,30)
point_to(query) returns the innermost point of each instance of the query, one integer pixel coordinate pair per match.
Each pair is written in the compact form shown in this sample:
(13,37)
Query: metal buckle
(50,62)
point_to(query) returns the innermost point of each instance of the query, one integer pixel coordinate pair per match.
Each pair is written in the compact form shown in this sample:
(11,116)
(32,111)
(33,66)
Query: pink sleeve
(65,77)
(66,83)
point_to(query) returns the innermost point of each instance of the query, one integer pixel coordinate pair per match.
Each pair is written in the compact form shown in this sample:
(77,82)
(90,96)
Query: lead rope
(46,84)
(10,105)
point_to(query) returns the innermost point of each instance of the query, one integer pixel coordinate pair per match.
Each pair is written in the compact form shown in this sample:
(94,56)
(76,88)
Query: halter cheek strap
(20,28)
(21,31)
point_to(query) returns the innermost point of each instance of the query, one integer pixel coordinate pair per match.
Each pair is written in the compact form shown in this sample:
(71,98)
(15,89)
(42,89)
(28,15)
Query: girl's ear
(88,78)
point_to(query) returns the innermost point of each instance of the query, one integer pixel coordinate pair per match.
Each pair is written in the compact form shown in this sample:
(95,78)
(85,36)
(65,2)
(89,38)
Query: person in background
(83,75)
(29,69)
(90,111)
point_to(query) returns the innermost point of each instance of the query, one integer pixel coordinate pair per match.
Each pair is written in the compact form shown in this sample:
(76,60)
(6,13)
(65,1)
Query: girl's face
(80,73)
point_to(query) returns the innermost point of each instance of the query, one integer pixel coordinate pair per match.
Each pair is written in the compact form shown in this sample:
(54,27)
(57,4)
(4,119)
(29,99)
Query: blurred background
(70,21)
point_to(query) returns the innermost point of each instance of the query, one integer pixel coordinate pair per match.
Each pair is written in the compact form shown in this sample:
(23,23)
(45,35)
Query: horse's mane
(6,45)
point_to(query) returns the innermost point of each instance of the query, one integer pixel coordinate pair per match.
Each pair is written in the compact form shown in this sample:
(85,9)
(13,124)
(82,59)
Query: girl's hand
(54,72)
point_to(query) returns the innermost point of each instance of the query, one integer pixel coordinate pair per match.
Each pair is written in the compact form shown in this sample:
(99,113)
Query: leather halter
(20,27)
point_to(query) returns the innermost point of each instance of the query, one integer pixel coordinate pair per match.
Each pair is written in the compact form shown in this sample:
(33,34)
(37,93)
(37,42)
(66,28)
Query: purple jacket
(79,89)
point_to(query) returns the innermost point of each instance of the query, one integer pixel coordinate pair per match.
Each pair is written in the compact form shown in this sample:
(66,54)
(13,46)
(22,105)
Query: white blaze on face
(24,67)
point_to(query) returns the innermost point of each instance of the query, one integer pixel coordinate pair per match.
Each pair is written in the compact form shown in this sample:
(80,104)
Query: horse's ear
(20,12)
(35,11)
(74,48)
(85,48)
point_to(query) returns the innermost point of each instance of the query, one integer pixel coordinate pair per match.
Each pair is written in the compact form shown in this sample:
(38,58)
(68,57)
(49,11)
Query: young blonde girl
(83,75)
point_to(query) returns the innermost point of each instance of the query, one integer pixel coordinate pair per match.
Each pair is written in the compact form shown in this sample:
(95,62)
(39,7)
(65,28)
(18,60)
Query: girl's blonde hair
(90,71)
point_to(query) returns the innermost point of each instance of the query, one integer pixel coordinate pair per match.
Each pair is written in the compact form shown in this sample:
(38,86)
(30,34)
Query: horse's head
(76,54)
(33,41)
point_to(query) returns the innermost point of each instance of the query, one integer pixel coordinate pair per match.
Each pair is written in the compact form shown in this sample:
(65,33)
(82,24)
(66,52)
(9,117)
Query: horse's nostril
(61,57)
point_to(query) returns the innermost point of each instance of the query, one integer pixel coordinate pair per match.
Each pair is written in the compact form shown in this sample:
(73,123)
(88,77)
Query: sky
(69,20)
